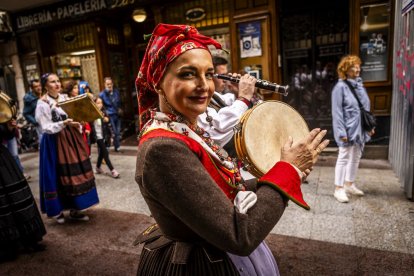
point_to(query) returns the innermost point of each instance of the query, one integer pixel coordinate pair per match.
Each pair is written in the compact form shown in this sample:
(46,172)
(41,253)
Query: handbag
(368,119)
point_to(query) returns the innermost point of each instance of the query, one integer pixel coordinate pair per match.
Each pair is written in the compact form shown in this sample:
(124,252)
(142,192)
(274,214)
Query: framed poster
(261,61)
(375,41)
(250,39)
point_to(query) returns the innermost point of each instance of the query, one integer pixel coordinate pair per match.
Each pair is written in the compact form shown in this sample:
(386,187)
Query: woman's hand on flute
(246,86)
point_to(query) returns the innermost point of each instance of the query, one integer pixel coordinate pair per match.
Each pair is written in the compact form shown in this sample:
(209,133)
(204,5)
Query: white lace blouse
(43,114)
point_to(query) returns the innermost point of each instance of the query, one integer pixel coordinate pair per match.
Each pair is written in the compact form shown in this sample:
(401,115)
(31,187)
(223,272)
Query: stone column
(20,90)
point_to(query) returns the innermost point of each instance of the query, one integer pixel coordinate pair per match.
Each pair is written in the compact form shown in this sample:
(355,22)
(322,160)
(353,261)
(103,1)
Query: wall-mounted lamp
(365,11)
(139,15)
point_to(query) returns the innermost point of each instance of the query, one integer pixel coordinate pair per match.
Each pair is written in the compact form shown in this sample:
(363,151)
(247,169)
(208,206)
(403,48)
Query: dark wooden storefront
(301,43)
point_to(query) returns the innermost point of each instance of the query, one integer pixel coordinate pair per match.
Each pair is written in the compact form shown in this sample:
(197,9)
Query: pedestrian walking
(112,102)
(30,103)
(101,134)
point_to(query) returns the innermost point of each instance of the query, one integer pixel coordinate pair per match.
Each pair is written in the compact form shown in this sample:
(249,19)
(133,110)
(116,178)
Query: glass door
(314,37)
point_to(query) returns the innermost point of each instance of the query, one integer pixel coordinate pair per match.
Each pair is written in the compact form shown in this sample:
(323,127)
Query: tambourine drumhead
(264,131)
(7,108)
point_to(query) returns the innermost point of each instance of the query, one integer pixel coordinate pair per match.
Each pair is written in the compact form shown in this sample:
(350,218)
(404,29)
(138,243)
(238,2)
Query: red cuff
(285,179)
(246,101)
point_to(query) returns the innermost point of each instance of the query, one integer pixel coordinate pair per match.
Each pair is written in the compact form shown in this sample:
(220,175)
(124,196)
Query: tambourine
(263,130)
(8,109)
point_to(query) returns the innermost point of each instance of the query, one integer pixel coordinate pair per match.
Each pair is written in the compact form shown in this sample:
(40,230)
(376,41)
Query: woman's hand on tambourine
(304,154)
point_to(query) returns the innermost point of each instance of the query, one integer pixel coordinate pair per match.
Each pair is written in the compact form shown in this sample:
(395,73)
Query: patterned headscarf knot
(166,44)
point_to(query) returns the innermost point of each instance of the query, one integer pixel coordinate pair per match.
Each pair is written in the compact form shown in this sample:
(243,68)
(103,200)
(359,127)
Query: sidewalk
(371,235)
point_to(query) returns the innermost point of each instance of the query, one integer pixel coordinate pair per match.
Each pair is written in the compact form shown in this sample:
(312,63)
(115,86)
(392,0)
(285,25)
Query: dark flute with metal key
(263,84)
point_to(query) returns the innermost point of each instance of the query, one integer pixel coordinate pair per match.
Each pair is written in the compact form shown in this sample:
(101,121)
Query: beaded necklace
(217,149)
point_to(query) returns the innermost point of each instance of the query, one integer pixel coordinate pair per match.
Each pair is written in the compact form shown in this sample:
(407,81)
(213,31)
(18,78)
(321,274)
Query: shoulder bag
(367,118)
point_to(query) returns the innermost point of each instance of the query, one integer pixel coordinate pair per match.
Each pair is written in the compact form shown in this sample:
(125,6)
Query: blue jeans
(12,147)
(116,128)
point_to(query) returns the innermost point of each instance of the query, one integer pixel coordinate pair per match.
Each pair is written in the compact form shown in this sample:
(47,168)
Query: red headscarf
(166,44)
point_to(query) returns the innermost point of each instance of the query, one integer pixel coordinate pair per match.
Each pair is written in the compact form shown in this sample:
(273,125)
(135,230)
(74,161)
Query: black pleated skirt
(20,221)
(200,261)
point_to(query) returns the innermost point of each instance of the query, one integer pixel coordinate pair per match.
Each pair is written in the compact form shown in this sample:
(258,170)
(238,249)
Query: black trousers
(103,154)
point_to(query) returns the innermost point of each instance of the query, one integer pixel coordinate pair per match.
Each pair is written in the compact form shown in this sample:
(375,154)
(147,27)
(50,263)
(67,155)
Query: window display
(68,67)
(78,67)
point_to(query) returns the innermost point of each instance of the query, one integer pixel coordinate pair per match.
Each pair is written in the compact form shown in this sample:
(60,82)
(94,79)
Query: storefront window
(77,66)
(31,67)
(68,67)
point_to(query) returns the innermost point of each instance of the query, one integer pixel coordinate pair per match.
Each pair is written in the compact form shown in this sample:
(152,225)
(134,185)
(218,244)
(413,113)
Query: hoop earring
(178,116)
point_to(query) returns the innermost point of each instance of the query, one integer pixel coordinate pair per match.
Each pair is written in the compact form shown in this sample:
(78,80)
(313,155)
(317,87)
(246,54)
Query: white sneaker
(114,173)
(340,195)
(353,190)
(59,218)
(99,171)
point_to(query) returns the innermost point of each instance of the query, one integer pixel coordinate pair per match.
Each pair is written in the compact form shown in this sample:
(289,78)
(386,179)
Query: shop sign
(51,13)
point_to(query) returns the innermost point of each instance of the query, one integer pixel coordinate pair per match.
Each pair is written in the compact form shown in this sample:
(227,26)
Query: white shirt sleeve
(228,98)
(44,119)
(223,122)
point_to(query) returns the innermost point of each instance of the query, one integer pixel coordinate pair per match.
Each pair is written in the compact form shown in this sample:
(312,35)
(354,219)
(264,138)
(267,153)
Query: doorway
(314,36)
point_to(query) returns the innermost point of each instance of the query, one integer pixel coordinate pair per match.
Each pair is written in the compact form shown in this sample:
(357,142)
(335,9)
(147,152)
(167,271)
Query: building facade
(296,43)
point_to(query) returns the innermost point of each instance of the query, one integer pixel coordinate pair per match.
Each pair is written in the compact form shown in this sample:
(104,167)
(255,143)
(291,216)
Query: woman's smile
(199,99)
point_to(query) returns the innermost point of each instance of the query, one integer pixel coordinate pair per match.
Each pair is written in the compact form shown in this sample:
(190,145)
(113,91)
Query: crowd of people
(211,216)
(66,176)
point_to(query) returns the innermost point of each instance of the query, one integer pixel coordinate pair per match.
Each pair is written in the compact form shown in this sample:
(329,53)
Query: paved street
(372,235)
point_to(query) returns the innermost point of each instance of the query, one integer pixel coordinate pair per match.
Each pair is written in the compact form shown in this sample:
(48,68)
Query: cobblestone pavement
(370,235)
